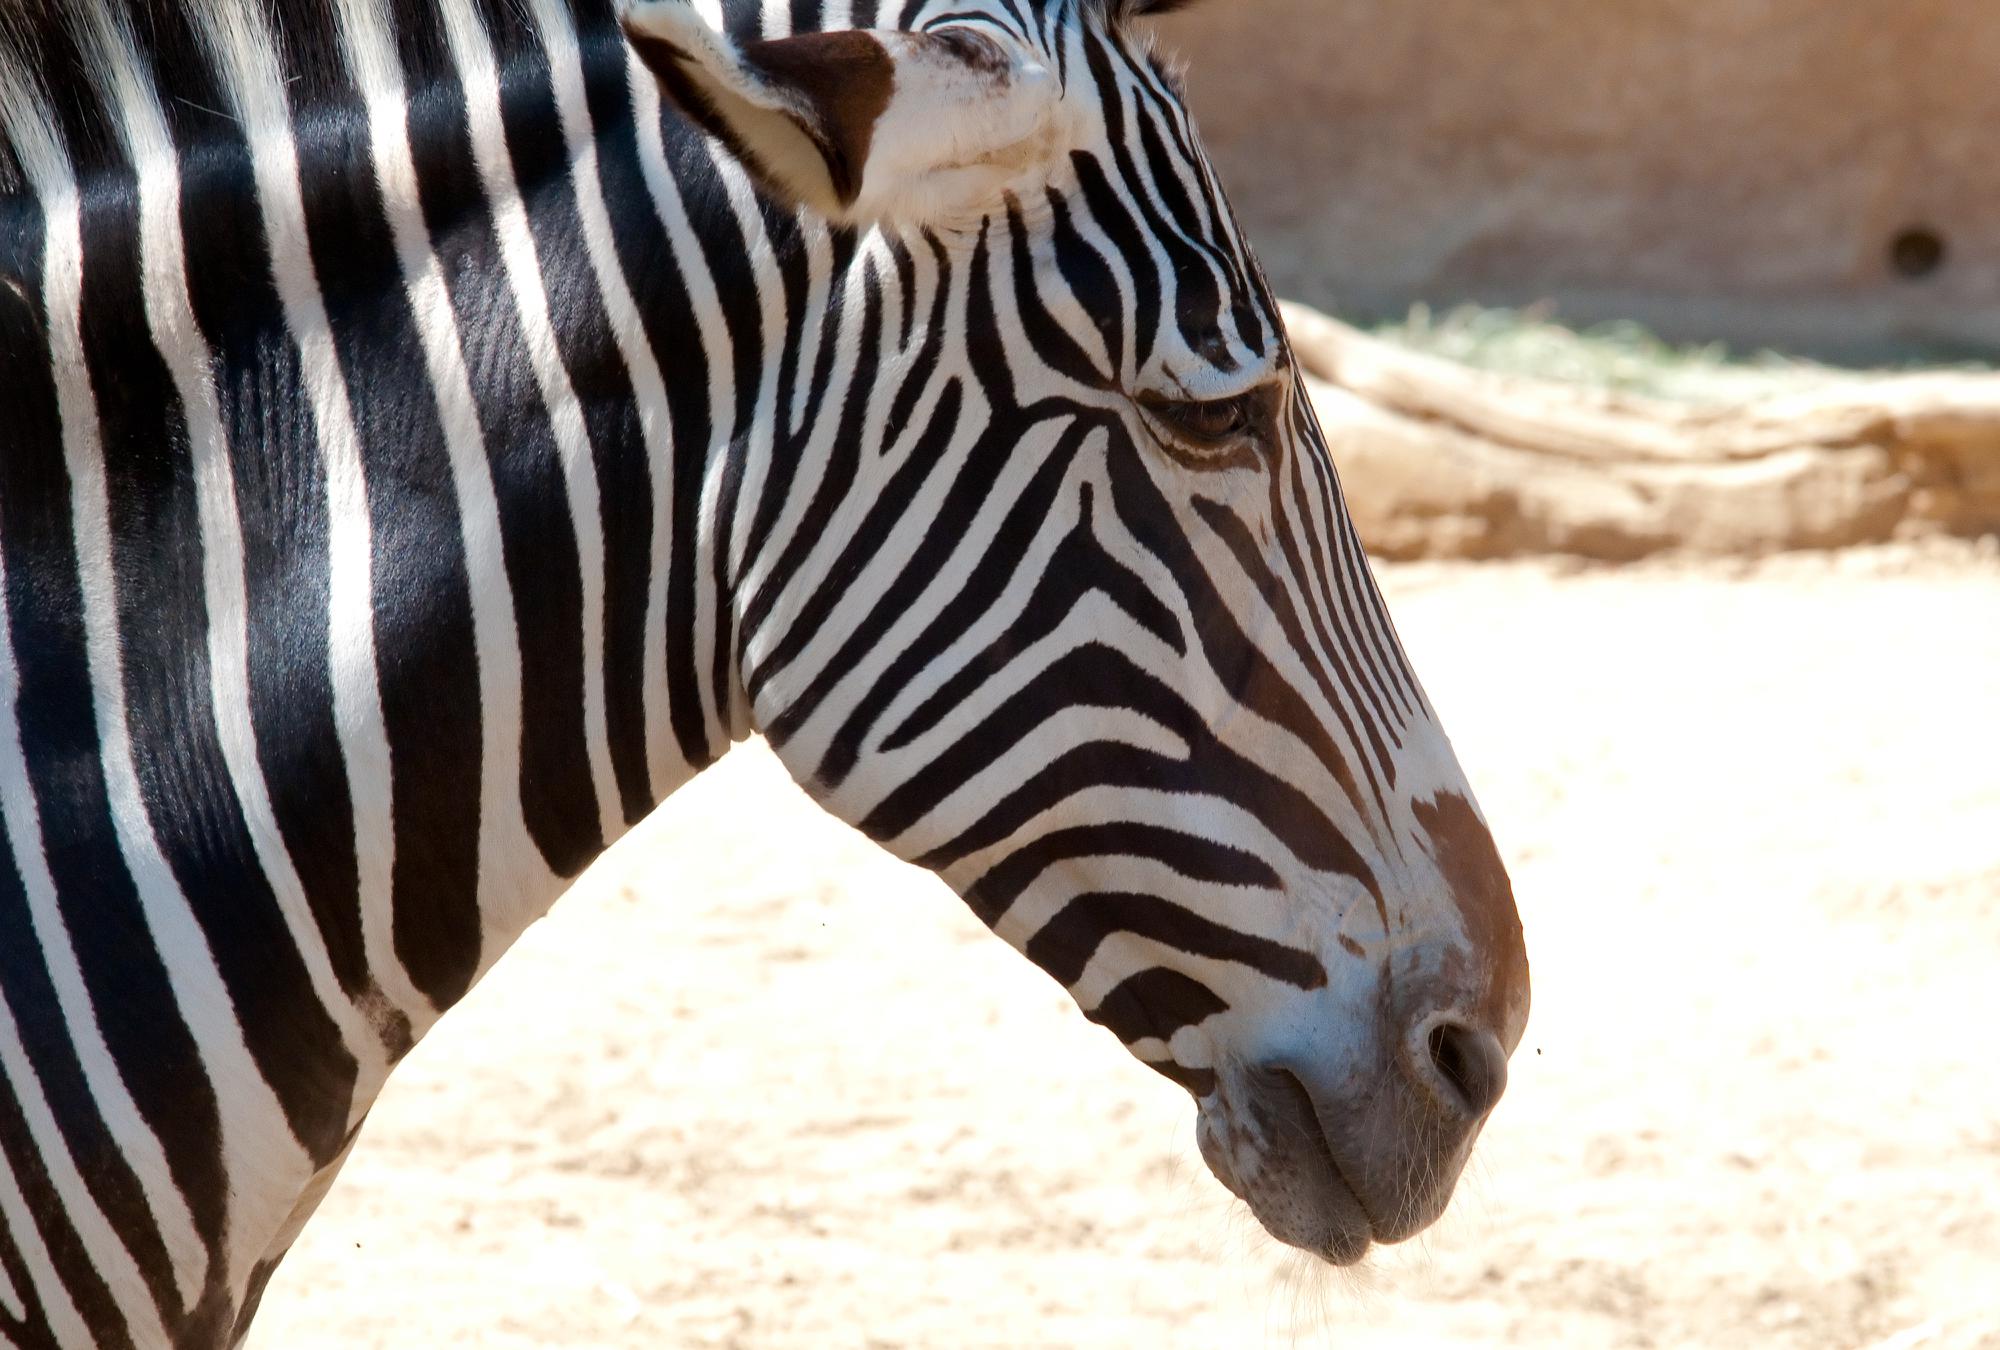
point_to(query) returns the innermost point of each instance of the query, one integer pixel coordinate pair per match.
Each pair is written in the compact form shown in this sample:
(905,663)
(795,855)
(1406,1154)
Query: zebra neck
(609,291)
(367,460)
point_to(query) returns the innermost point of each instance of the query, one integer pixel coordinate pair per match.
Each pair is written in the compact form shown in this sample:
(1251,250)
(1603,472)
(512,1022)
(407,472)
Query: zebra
(432,433)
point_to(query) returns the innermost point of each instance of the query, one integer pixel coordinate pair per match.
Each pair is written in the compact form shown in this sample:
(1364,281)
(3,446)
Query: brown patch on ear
(847,78)
(1463,849)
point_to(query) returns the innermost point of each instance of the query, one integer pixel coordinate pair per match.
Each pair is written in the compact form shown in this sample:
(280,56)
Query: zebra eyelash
(1213,433)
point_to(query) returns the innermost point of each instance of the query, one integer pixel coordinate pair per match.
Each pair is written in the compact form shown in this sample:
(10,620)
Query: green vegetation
(1623,357)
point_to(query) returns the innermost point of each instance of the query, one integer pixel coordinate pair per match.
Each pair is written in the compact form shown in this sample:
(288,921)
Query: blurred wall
(1822,175)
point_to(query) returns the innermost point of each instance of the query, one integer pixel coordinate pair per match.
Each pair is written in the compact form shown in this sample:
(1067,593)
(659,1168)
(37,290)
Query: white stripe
(1138,99)
(716,352)
(26,124)
(480,80)
(1003,615)
(627,327)
(1092,231)
(105,1252)
(814,450)
(116,1109)
(1310,592)
(10,1298)
(244,52)
(60,1314)
(853,504)
(259,1154)
(184,349)
(1308,512)
(746,204)
(927,283)
(816,245)
(515,882)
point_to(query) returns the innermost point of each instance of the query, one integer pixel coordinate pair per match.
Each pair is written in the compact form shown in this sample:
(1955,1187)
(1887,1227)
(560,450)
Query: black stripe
(991,573)
(1249,297)
(922,374)
(1131,242)
(543,547)
(863,546)
(906,286)
(1330,594)
(743,20)
(989,349)
(1197,302)
(1095,675)
(626,490)
(1065,944)
(420,596)
(1090,280)
(1237,662)
(1052,344)
(1156,1003)
(423,47)
(163,620)
(1079,567)
(672,330)
(123,972)
(1298,716)
(837,481)
(1189,855)
(1351,566)
(69,1255)
(797,416)
(30,1331)
(49,1043)
(510,29)
(281,496)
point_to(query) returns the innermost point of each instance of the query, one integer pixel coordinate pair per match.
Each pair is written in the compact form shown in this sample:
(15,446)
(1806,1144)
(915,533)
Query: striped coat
(432,432)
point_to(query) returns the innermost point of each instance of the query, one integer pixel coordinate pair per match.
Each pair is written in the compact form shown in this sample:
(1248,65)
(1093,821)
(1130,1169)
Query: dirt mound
(1440,460)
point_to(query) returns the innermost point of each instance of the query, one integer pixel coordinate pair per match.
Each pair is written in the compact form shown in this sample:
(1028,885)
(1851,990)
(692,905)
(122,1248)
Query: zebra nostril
(1468,1068)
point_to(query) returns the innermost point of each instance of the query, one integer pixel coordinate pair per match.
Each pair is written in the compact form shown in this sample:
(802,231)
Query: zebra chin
(1293,1184)
(1329,1176)
(1348,1140)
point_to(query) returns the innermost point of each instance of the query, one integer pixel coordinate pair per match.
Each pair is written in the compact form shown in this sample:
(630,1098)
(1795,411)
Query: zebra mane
(58,74)
(56,83)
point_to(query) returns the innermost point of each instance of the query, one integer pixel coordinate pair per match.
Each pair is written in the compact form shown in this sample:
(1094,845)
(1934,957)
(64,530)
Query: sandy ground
(756,1084)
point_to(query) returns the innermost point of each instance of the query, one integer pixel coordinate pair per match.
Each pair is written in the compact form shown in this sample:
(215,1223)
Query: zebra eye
(1207,427)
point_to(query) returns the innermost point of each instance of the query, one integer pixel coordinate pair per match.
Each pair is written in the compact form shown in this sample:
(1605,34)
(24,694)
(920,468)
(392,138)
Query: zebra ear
(859,126)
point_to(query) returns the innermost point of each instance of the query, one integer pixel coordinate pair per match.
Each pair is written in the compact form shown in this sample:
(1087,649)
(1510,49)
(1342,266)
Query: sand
(755,1084)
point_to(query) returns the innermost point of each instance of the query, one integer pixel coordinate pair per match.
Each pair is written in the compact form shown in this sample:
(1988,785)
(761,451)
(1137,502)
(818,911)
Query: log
(1441,460)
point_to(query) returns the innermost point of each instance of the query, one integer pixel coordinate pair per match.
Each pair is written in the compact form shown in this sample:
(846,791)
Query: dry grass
(1623,357)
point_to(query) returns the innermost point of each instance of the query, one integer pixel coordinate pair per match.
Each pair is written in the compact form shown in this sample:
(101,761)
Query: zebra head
(1081,623)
